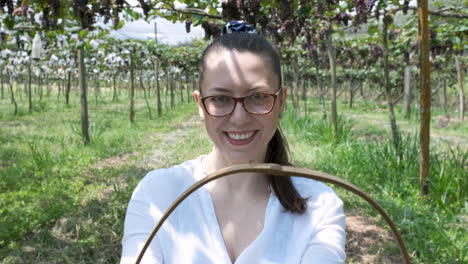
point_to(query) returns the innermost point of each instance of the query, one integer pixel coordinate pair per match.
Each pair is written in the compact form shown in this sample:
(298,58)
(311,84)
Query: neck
(235,186)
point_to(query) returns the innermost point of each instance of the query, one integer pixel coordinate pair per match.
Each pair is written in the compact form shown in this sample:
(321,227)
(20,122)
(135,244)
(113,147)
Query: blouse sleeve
(327,244)
(138,226)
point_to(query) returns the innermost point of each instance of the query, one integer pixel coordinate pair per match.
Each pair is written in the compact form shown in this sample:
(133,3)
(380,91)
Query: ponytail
(283,187)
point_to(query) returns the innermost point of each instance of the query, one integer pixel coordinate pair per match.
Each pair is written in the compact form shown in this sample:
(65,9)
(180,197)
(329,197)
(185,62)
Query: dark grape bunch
(405,7)
(105,9)
(8,4)
(343,18)
(188,23)
(50,14)
(363,9)
(230,10)
(145,6)
(84,13)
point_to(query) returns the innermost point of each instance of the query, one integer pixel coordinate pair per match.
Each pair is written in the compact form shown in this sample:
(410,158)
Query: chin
(241,158)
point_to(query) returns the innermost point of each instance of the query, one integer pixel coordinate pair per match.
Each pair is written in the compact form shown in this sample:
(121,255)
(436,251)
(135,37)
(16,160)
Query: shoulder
(166,184)
(317,193)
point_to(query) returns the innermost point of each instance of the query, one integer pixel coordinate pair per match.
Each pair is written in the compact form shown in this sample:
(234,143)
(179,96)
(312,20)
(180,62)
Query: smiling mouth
(243,138)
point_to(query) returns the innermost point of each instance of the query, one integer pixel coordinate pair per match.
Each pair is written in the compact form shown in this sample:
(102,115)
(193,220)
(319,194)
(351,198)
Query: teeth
(240,136)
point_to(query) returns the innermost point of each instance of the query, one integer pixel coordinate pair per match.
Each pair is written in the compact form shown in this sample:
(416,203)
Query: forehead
(230,69)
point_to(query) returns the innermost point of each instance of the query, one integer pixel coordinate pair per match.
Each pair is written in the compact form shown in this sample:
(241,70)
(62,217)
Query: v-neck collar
(208,207)
(216,229)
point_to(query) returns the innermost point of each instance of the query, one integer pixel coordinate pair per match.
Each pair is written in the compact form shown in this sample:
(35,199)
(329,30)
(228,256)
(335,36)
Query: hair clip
(239,26)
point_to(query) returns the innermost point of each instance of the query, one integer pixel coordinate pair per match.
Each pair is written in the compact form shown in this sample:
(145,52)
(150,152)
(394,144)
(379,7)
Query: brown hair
(277,151)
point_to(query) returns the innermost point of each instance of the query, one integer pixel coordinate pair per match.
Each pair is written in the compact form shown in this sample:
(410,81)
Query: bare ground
(366,241)
(437,132)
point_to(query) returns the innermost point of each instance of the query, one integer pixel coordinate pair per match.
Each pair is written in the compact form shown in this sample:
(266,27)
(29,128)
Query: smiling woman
(246,217)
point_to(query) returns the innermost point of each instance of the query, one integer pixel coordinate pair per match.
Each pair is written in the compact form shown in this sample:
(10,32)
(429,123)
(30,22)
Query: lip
(240,142)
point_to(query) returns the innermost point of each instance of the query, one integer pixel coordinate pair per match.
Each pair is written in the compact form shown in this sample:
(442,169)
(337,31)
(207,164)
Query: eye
(258,97)
(218,99)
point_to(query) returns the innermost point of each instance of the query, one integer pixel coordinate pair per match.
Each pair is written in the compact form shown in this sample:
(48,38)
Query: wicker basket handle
(278,170)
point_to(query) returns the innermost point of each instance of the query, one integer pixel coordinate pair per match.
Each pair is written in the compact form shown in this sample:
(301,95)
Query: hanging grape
(188,23)
(230,10)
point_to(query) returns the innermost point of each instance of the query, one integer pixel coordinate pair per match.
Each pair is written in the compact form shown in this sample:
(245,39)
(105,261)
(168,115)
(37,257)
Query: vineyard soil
(90,230)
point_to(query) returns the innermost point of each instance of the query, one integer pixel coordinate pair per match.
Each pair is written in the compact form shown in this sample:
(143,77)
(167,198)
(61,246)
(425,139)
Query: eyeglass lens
(257,103)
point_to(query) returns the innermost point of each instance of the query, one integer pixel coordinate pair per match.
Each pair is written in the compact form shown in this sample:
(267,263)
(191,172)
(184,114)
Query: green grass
(47,172)
(434,228)
(58,206)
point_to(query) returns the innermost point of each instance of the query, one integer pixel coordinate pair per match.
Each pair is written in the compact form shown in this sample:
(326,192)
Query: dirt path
(437,134)
(366,240)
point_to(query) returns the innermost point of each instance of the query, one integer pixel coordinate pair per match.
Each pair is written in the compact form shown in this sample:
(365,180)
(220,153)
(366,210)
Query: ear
(196,97)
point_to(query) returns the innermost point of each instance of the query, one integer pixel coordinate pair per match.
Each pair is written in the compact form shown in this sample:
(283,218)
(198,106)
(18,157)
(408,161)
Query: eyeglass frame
(241,100)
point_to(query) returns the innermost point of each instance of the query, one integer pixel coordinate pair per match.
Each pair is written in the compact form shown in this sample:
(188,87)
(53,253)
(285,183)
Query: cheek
(212,126)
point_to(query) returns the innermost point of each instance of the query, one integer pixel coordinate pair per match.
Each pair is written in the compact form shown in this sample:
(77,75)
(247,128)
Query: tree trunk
(158,89)
(59,89)
(361,89)
(1,84)
(194,85)
(29,87)
(407,92)
(12,94)
(461,92)
(25,86)
(84,96)
(351,92)
(320,86)
(168,84)
(132,89)
(443,95)
(40,88)
(388,89)
(172,84)
(114,97)
(96,88)
(181,89)
(67,91)
(304,89)
(49,87)
(145,95)
(332,62)
(424,134)
(187,86)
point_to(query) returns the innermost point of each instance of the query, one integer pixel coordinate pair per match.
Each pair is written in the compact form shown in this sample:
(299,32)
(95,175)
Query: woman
(244,218)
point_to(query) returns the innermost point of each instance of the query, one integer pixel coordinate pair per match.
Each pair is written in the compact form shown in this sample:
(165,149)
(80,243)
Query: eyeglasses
(256,103)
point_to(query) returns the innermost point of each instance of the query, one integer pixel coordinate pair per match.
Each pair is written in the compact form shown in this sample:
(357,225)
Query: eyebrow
(220,89)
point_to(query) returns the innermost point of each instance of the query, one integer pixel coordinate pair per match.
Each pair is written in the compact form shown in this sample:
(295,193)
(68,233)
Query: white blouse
(191,234)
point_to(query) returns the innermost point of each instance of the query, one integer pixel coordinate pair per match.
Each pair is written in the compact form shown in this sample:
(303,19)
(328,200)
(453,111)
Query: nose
(239,115)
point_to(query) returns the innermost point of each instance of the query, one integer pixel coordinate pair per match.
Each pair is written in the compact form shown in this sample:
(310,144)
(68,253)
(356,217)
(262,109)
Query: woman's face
(240,136)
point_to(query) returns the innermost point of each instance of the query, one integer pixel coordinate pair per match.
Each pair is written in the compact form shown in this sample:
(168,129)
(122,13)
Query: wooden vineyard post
(387,85)
(132,89)
(67,91)
(461,92)
(84,96)
(2,96)
(29,86)
(332,60)
(424,134)
(407,92)
(12,93)
(158,88)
